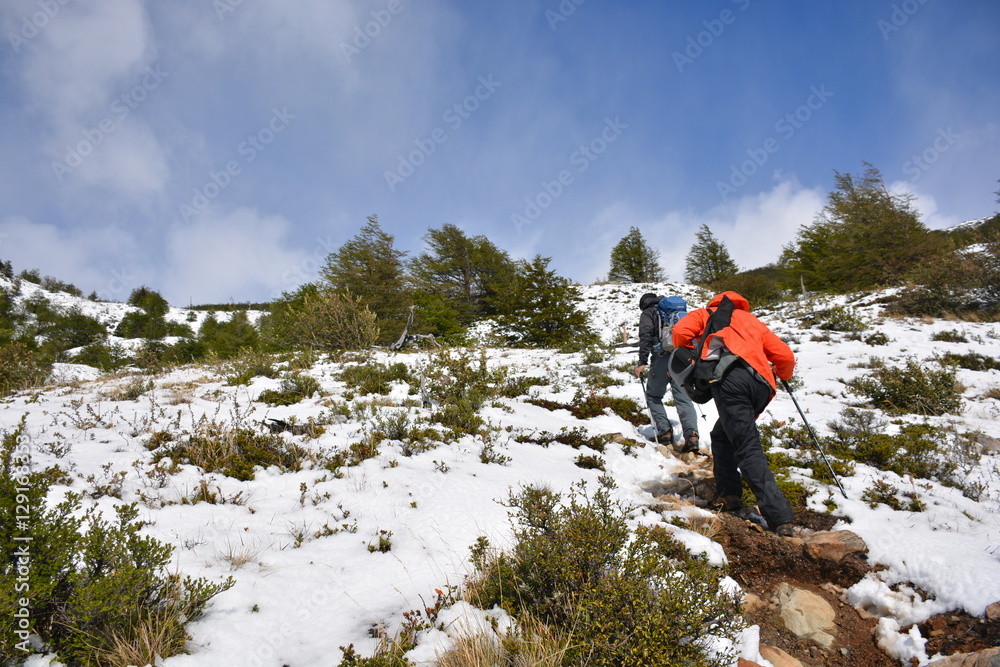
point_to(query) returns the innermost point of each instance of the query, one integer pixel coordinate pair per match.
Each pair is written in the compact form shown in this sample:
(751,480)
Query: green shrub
(321,319)
(373,377)
(949,336)
(229,339)
(876,338)
(21,366)
(627,598)
(294,388)
(247,365)
(759,289)
(883,493)
(92,586)
(233,450)
(53,285)
(921,450)
(149,300)
(840,318)
(972,361)
(463,376)
(103,356)
(914,388)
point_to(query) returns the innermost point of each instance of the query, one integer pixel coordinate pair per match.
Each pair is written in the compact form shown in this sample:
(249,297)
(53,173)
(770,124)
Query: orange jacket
(746,337)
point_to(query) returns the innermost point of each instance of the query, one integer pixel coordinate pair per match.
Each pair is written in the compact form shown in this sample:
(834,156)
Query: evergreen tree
(371,269)
(864,237)
(541,310)
(708,260)
(634,261)
(460,273)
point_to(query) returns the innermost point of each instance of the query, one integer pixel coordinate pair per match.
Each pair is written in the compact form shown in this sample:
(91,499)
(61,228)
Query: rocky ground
(795,589)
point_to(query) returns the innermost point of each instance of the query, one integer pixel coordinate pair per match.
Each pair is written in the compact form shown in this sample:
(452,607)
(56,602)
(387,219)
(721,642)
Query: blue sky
(218,150)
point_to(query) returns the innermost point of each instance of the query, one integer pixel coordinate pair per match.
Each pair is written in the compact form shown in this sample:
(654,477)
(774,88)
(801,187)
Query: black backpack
(694,374)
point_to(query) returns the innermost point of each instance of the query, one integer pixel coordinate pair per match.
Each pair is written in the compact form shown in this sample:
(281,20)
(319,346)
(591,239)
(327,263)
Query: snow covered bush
(929,390)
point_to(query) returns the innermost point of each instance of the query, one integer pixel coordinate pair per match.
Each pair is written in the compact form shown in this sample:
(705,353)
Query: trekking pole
(814,438)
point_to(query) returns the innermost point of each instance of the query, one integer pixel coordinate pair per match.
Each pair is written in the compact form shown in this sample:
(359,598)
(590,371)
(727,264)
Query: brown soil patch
(760,560)
(957,632)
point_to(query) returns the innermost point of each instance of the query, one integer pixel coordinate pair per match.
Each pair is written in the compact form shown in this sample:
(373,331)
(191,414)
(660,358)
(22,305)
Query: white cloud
(86,72)
(754,228)
(235,256)
(89,258)
(926,205)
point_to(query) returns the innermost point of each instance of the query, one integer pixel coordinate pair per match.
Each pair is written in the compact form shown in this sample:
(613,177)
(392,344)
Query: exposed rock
(988,658)
(747,663)
(752,603)
(989,444)
(993,611)
(806,615)
(835,546)
(778,658)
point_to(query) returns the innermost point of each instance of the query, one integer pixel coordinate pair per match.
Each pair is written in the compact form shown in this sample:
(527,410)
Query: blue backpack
(670,310)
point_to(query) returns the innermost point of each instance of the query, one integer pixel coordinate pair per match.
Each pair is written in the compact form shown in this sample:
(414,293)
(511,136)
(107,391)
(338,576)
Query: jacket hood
(738,301)
(648,300)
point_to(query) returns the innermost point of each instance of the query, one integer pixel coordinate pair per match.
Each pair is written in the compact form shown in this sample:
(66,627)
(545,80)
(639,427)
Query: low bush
(577,567)
(972,361)
(915,388)
(949,336)
(103,356)
(247,365)
(876,338)
(233,450)
(97,592)
(294,388)
(883,493)
(840,318)
(920,450)
(373,377)
(21,366)
(588,404)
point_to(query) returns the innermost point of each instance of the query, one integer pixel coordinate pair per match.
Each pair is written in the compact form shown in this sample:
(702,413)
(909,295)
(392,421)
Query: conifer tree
(371,269)
(460,273)
(708,260)
(542,309)
(864,237)
(634,261)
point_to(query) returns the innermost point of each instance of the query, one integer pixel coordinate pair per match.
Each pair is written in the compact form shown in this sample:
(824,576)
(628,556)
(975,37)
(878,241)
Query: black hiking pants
(736,447)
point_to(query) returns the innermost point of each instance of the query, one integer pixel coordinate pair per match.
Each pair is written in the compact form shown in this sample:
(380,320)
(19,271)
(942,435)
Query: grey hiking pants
(656,387)
(736,447)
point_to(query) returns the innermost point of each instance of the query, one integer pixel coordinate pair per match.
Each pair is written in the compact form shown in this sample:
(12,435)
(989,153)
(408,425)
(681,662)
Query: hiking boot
(691,442)
(785,530)
(727,504)
(666,438)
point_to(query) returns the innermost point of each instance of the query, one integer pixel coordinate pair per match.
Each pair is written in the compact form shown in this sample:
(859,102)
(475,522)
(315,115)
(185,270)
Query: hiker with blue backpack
(655,344)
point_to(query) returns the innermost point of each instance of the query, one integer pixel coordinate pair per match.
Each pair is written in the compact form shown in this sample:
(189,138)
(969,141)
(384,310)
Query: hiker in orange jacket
(746,350)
